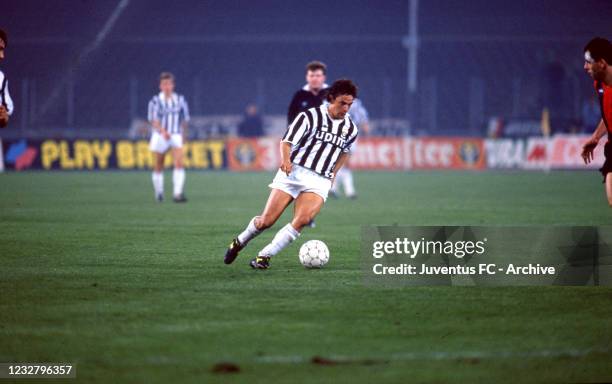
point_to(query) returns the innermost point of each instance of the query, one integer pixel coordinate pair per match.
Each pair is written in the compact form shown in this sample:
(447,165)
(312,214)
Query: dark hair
(341,87)
(600,48)
(315,66)
(166,76)
(4,37)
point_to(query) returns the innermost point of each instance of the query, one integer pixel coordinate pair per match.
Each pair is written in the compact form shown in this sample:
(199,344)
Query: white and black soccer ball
(314,254)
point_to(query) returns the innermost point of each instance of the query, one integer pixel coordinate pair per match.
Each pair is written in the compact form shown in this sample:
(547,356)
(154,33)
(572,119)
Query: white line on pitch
(440,355)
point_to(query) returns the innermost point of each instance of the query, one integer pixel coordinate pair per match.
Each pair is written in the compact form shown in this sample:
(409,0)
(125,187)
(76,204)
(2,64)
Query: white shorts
(300,180)
(160,145)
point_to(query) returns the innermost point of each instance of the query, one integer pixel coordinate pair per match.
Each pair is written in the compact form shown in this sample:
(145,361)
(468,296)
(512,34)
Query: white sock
(178,180)
(283,238)
(158,183)
(349,187)
(249,233)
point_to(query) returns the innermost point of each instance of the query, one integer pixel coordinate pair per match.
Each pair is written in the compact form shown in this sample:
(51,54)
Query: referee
(6,103)
(310,95)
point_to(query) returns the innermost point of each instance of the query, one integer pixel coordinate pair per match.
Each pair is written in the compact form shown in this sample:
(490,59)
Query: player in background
(359,115)
(169,117)
(598,64)
(6,103)
(310,95)
(314,148)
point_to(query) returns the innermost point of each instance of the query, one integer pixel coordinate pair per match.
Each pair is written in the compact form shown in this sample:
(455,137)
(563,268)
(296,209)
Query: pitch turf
(94,272)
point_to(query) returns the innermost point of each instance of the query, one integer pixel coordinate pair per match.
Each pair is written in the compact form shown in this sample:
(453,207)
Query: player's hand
(4,117)
(286,167)
(165,134)
(588,149)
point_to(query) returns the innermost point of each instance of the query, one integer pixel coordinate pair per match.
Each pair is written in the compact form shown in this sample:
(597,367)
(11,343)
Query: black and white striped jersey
(317,140)
(170,112)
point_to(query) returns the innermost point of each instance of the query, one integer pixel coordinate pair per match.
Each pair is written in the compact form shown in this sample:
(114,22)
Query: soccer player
(312,94)
(598,64)
(6,103)
(169,116)
(314,148)
(359,115)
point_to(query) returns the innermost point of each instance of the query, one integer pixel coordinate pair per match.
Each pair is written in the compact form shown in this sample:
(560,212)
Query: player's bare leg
(178,176)
(609,188)
(277,202)
(158,175)
(307,206)
(275,206)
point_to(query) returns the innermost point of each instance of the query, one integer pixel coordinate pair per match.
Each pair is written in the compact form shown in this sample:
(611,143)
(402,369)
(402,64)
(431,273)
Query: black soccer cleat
(180,198)
(260,262)
(159,197)
(232,251)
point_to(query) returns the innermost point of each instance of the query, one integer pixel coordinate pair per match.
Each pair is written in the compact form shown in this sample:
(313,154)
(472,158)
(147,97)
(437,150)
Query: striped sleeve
(153,113)
(348,147)
(185,108)
(297,129)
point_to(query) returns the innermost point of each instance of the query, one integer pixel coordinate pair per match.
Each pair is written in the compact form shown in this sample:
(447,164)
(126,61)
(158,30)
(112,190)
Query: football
(314,254)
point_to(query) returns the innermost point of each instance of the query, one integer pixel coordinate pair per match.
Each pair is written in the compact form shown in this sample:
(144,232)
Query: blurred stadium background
(426,69)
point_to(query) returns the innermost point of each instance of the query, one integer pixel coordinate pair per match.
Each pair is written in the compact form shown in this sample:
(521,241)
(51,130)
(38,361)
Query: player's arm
(158,127)
(186,118)
(4,116)
(295,132)
(589,147)
(185,128)
(154,120)
(285,150)
(342,159)
(6,111)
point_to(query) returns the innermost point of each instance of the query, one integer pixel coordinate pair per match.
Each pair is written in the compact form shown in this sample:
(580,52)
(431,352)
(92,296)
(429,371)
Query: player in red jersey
(598,64)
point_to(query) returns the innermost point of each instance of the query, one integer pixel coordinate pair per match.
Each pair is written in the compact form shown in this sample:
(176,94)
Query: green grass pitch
(94,272)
